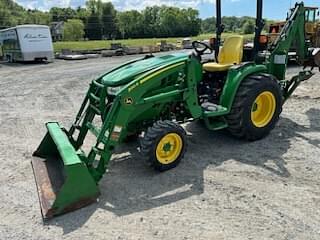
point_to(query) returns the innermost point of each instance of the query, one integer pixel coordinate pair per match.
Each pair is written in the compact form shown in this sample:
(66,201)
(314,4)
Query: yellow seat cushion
(231,53)
(216,67)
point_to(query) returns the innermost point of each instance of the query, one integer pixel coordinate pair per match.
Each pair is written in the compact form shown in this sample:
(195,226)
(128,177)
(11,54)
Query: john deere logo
(128,101)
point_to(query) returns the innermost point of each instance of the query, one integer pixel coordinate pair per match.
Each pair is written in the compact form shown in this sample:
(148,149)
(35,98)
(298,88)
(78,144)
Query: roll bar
(220,27)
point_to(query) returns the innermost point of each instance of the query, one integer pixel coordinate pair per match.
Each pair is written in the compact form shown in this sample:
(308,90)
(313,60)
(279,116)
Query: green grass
(90,45)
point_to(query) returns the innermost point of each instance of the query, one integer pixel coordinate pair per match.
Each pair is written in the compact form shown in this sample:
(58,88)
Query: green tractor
(152,96)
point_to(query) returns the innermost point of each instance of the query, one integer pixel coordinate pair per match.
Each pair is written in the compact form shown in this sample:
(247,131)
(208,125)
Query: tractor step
(96,132)
(213,110)
(94,97)
(95,109)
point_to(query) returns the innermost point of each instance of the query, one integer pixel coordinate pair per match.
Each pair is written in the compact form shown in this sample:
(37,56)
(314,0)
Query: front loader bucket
(63,181)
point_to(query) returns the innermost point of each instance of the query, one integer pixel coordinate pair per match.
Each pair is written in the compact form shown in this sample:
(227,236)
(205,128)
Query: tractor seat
(230,54)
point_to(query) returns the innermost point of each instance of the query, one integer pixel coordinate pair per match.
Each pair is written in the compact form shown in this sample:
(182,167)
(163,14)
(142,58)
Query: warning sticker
(117,129)
(115,136)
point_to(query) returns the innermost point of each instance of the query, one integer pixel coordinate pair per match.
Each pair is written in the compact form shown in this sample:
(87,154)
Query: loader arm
(67,176)
(135,100)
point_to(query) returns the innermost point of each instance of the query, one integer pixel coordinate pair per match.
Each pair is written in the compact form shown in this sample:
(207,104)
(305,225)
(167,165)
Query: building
(56,29)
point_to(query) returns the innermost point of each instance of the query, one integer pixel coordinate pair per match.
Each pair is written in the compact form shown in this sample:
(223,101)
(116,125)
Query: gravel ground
(223,189)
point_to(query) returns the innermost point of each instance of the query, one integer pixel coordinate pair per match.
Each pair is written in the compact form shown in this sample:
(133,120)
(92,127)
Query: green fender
(235,76)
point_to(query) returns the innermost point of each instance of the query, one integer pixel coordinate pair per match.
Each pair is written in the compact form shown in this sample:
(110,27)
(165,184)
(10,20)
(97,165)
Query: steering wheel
(201,47)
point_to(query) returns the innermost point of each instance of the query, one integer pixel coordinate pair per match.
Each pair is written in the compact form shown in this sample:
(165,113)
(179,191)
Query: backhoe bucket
(63,181)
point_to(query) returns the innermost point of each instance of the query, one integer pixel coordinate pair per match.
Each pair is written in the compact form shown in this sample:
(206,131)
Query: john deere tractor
(152,96)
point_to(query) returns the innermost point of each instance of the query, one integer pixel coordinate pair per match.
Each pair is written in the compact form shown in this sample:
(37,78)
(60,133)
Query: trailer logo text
(29,36)
(35,37)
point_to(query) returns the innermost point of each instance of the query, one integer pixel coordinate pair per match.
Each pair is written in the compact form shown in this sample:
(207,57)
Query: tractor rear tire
(163,145)
(256,108)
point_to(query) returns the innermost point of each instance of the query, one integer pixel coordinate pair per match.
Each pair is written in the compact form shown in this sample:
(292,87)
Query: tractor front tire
(163,145)
(256,108)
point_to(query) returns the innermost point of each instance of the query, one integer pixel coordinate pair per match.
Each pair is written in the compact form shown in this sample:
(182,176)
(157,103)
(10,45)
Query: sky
(273,9)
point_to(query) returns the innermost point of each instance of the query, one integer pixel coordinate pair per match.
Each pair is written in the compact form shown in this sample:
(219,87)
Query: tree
(36,17)
(82,14)
(150,21)
(73,30)
(62,14)
(208,25)
(130,24)
(108,20)
(94,6)
(11,14)
(232,24)
(5,17)
(169,25)
(159,22)
(192,27)
(249,27)
(94,27)
(101,22)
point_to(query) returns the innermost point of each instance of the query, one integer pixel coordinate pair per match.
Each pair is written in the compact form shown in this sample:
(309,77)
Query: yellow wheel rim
(263,109)
(169,148)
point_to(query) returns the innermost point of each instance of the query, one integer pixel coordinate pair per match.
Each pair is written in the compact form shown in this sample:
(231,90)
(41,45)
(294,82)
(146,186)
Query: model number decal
(142,81)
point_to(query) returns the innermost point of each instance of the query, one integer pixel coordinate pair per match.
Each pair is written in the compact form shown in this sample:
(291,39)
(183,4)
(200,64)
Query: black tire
(240,120)
(151,140)
(9,59)
(131,137)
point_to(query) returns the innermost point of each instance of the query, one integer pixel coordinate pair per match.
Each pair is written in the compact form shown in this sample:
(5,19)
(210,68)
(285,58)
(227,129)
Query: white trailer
(27,43)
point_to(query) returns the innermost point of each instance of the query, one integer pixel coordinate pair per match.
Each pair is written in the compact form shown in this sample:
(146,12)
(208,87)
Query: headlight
(114,90)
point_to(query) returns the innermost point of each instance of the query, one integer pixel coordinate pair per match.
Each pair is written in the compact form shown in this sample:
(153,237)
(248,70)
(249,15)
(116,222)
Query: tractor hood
(127,72)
